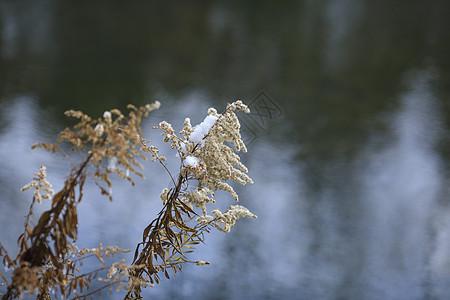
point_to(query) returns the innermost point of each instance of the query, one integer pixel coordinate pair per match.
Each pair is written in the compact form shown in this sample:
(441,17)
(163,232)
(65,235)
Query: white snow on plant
(183,147)
(202,129)
(191,161)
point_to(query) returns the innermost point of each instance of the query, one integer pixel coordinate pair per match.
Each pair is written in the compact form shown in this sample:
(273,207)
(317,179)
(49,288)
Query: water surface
(350,167)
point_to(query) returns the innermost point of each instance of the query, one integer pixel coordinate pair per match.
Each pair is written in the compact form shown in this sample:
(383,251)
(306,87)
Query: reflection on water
(401,236)
(22,123)
(351,182)
(377,235)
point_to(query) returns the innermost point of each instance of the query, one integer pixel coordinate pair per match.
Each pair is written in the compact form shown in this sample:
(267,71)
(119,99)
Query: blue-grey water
(348,138)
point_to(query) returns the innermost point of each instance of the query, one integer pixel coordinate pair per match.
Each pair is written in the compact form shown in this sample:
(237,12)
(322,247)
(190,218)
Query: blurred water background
(348,140)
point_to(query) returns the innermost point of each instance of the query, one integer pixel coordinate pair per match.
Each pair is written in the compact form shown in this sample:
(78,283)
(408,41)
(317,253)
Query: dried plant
(207,159)
(48,257)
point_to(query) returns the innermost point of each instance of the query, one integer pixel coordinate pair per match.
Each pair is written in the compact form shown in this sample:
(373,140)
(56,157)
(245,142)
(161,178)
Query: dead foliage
(48,258)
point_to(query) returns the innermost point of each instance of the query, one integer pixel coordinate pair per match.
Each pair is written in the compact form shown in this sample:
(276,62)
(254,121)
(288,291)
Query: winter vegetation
(48,258)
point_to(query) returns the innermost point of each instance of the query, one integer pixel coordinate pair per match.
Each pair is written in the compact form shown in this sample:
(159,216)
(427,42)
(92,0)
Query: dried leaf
(136,253)
(146,231)
(161,252)
(166,274)
(186,207)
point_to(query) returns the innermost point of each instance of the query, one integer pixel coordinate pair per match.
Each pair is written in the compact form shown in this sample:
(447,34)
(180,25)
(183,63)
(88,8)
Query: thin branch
(165,167)
(97,290)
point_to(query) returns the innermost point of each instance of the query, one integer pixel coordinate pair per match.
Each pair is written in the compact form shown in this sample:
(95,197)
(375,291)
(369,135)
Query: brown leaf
(186,207)
(136,252)
(58,197)
(166,274)
(177,215)
(28,229)
(161,252)
(19,239)
(146,231)
(151,269)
